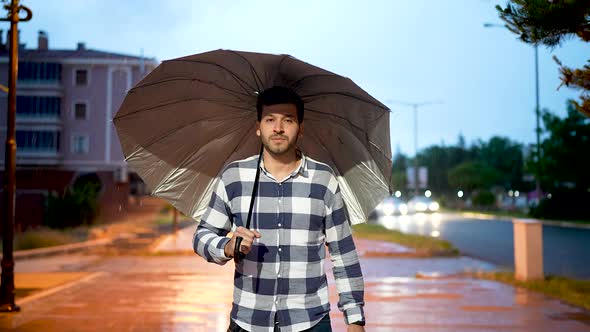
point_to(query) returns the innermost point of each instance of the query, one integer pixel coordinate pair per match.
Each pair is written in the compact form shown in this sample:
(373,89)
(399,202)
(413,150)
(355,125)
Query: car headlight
(420,206)
(403,209)
(433,206)
(388,209)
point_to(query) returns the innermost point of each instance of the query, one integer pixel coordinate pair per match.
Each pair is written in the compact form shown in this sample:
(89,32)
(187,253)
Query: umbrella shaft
(238,255)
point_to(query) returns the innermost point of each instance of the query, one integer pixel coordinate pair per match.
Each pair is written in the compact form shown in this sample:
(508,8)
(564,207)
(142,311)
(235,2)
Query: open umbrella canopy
(191,116)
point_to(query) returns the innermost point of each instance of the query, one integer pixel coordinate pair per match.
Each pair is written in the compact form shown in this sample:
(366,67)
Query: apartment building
(66,100)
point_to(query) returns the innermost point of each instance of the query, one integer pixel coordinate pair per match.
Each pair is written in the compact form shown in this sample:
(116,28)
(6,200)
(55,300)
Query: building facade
(66,100)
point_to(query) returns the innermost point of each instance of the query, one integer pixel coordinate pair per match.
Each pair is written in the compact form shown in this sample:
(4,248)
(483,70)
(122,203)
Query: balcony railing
(38,157)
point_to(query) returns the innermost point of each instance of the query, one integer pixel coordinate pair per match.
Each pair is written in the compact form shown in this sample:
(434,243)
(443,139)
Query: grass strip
(572,291)
(422,244)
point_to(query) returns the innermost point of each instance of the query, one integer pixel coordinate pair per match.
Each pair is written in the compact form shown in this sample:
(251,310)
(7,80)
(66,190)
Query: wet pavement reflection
(184,293)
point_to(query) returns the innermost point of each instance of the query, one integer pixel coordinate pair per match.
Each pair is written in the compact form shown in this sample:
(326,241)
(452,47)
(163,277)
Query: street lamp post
(415,107)
(537,115)
(7,280)
(538,129)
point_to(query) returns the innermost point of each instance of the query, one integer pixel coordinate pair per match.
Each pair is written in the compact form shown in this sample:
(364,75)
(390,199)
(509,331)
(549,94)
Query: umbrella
(192,115)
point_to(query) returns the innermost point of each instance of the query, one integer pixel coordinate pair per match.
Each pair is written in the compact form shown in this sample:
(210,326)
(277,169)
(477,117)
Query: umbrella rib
(355,127)
(377,176)
(156,139)
(350,96)
(336,116)
(187,157)
(241,82)
(234,150)
(296,83)
(185,78)
(252,70)
(117,117)
(283,58)
(318,139)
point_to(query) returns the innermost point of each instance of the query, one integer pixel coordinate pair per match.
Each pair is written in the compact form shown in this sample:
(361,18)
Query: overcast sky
(408,51)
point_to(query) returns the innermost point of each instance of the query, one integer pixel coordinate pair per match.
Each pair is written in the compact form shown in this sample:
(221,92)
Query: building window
(37,106)
(80,111)
(81,77)
(80,144)
(37,140)
(39,72)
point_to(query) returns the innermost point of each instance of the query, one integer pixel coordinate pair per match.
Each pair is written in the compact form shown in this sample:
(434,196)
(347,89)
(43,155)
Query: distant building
(66,100)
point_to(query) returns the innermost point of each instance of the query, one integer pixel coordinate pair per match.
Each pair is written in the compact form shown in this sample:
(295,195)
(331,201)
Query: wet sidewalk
(184,293)
(181,242)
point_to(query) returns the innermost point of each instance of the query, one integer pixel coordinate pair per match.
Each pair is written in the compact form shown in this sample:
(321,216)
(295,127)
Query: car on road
(391,206)
(422,204)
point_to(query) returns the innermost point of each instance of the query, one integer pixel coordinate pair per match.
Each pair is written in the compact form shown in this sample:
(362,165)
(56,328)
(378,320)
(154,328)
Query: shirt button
(279,225)
(280,249)
(279,275)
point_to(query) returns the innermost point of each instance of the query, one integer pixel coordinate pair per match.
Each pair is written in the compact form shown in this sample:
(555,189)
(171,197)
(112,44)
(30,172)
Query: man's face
(278,128)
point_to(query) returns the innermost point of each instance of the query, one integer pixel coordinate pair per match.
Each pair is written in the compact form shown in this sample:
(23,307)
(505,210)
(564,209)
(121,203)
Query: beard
(281,147)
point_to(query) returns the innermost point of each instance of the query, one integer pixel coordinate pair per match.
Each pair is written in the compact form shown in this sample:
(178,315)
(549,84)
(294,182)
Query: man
(281,285)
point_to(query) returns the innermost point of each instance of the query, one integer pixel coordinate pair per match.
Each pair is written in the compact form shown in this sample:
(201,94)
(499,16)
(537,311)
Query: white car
(422,204)
(391,206)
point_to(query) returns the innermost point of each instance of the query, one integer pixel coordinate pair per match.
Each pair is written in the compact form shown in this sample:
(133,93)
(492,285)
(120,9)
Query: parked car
(391,206)
(422,204)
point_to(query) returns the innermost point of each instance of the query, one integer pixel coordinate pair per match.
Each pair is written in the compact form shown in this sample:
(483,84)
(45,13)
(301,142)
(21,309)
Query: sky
(480,81)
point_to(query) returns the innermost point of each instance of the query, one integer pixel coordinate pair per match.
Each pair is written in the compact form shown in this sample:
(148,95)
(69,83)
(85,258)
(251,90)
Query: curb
(483,216)
(55,289)
(63,249)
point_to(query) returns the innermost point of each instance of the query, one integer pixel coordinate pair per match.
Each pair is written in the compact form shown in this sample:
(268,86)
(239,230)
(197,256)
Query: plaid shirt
(283,273)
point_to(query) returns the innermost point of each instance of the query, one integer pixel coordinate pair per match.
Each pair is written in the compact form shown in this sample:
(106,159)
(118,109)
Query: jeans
(322,326)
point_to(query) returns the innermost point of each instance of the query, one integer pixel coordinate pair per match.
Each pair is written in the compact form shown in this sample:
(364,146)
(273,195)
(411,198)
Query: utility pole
(415,107)
(537,115)
(538,129)
(7,280)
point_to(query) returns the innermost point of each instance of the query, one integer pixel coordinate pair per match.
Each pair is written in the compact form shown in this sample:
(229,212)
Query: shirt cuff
(221,249)
(354,314)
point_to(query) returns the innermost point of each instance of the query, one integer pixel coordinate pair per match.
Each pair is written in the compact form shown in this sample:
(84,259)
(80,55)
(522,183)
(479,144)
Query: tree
(399,180)
(549,22)
(506,157)
(435,158)
(77,206)
(472,175)
(566,160)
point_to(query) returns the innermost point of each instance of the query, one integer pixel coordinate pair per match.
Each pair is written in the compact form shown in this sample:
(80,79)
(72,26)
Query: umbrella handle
(238,255)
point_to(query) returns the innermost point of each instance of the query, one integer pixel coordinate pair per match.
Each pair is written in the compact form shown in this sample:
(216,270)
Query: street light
(415,107)
(537,113)
(7,284)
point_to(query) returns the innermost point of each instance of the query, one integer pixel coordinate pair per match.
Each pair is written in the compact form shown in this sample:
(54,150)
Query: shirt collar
(301,169)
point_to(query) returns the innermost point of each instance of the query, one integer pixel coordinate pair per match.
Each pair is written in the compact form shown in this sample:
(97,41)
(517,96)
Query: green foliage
(576,292)
(484,198)
(565,161)
(423,244)
(499,153)
(78,206)
(472,175)
(506,158)
(41,238)
(551,22)
(563,205)
(399,181)
(547,22)
(166,208)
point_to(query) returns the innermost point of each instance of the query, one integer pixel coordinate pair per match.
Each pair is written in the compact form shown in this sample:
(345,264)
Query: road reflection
(429,224)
